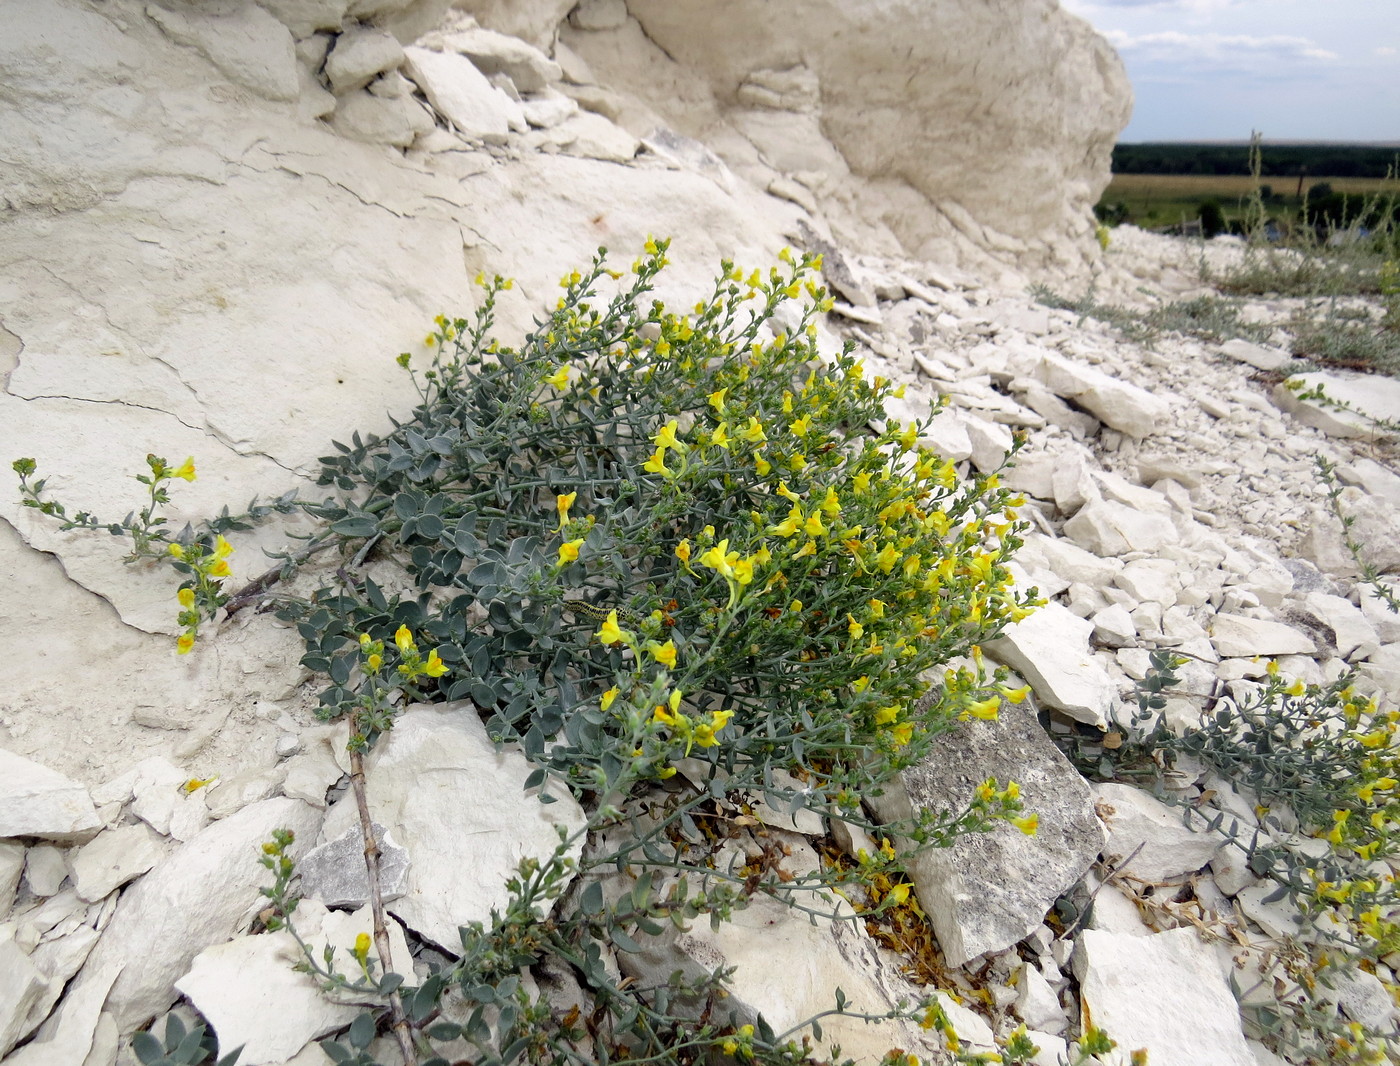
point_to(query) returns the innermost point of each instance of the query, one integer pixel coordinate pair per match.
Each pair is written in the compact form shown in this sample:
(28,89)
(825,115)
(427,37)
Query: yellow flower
(666,436)
(810,548)
(743,571)
(801,426)
(720,719)
(898,894)
(831,504)
(720,437)
(176,551)
(1016,695)
(361,949)
(762,465)
(716,399)
(403,637)
(877,608)
(753,432)
(665,772)
(657,464)
(374,662)
(813,526)
(665,654)
(185,470)
(854,628)
(903,733)
(194,784)
(222,548)
(861,483)
(887,558)
(435,666)
(568,551)
(184,643)
(683,552)
(562,503)
(719,558)
(789,526)
(886,715)
(186,597)
(611,633)
(220,569)
(987,709)
(1296,689)
(608,698)
(1028,825)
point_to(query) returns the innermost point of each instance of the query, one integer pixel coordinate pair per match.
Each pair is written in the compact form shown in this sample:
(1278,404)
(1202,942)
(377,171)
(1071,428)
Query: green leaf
(148,1049)
(361,1031)
(625,942)
(591,899)
(356,526)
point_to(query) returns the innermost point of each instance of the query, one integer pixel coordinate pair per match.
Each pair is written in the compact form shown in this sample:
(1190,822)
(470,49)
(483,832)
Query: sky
(1211,70)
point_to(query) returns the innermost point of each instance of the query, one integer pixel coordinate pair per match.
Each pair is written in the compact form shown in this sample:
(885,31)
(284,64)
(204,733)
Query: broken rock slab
(460,809)
(1366,399)
(1108,528)
(38,802)
(335,874)
(1240,636)
(989,890)
(1135,820)
(1164,993)
(496,53)
(21,988)
(253,998)
(463,96)
(1118,404)
(112,858)
(202,894)
(1050,649)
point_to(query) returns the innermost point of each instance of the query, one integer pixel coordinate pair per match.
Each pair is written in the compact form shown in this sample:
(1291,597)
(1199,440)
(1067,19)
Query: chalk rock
(363,116)
(245,43)
(599,14)
(1349,626)
(1362,995)
(594,137)
(38,802)
(1037,1005)
(359,57)
(1371,477)
(112,858)
(989,890)
(495,53)
(1375,526)
(1369,397)
(1050,649)
(67,1035)
(1134,818)
(1118,404)
(896,131)
(1107,528)
(1239,636)
(1114,626)
(531,20)
(459,808)
(461,94)
(44,871)
(200,895)
(1256,355)
(253,998)
(548,108)
(788,968)
(1165,993)
(335,874)
(305,17)
(990,442)
(21,988)
(11,866)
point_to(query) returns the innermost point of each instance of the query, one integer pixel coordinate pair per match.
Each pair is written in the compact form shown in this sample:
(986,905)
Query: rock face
(943,153)
(37,802)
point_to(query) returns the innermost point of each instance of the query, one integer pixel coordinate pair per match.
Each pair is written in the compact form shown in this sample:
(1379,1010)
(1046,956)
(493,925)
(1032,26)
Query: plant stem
(399,1020)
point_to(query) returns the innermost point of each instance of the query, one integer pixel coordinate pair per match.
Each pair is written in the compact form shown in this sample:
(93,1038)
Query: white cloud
(1217,48)
(1385,50)
(1197,6)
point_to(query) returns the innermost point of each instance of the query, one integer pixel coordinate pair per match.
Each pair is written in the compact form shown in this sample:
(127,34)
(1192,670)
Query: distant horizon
(1244,142)
(1210,71)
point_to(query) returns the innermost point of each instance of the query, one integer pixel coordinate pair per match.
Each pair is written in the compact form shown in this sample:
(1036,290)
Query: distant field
(1162,199)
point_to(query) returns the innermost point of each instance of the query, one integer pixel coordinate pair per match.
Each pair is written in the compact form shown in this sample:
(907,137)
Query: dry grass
(1224,187)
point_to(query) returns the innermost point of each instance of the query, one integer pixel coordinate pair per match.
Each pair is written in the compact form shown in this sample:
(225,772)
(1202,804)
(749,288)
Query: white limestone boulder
(21,988)
(201,895)
(1137,822)
(497,53)
(1050,649)
(463,96)
(38,802)
(1238,636)
(1365,398)
(360,56)
(112,858)
(989,890)
(11,866)
(1165,993)
(459,808)
(1108,528)
(68,1034)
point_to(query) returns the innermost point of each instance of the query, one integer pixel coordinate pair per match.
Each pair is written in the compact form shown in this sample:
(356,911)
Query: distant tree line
(1280,160)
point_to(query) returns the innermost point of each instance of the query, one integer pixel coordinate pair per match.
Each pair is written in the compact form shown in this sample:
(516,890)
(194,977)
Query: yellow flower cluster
(199,597)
